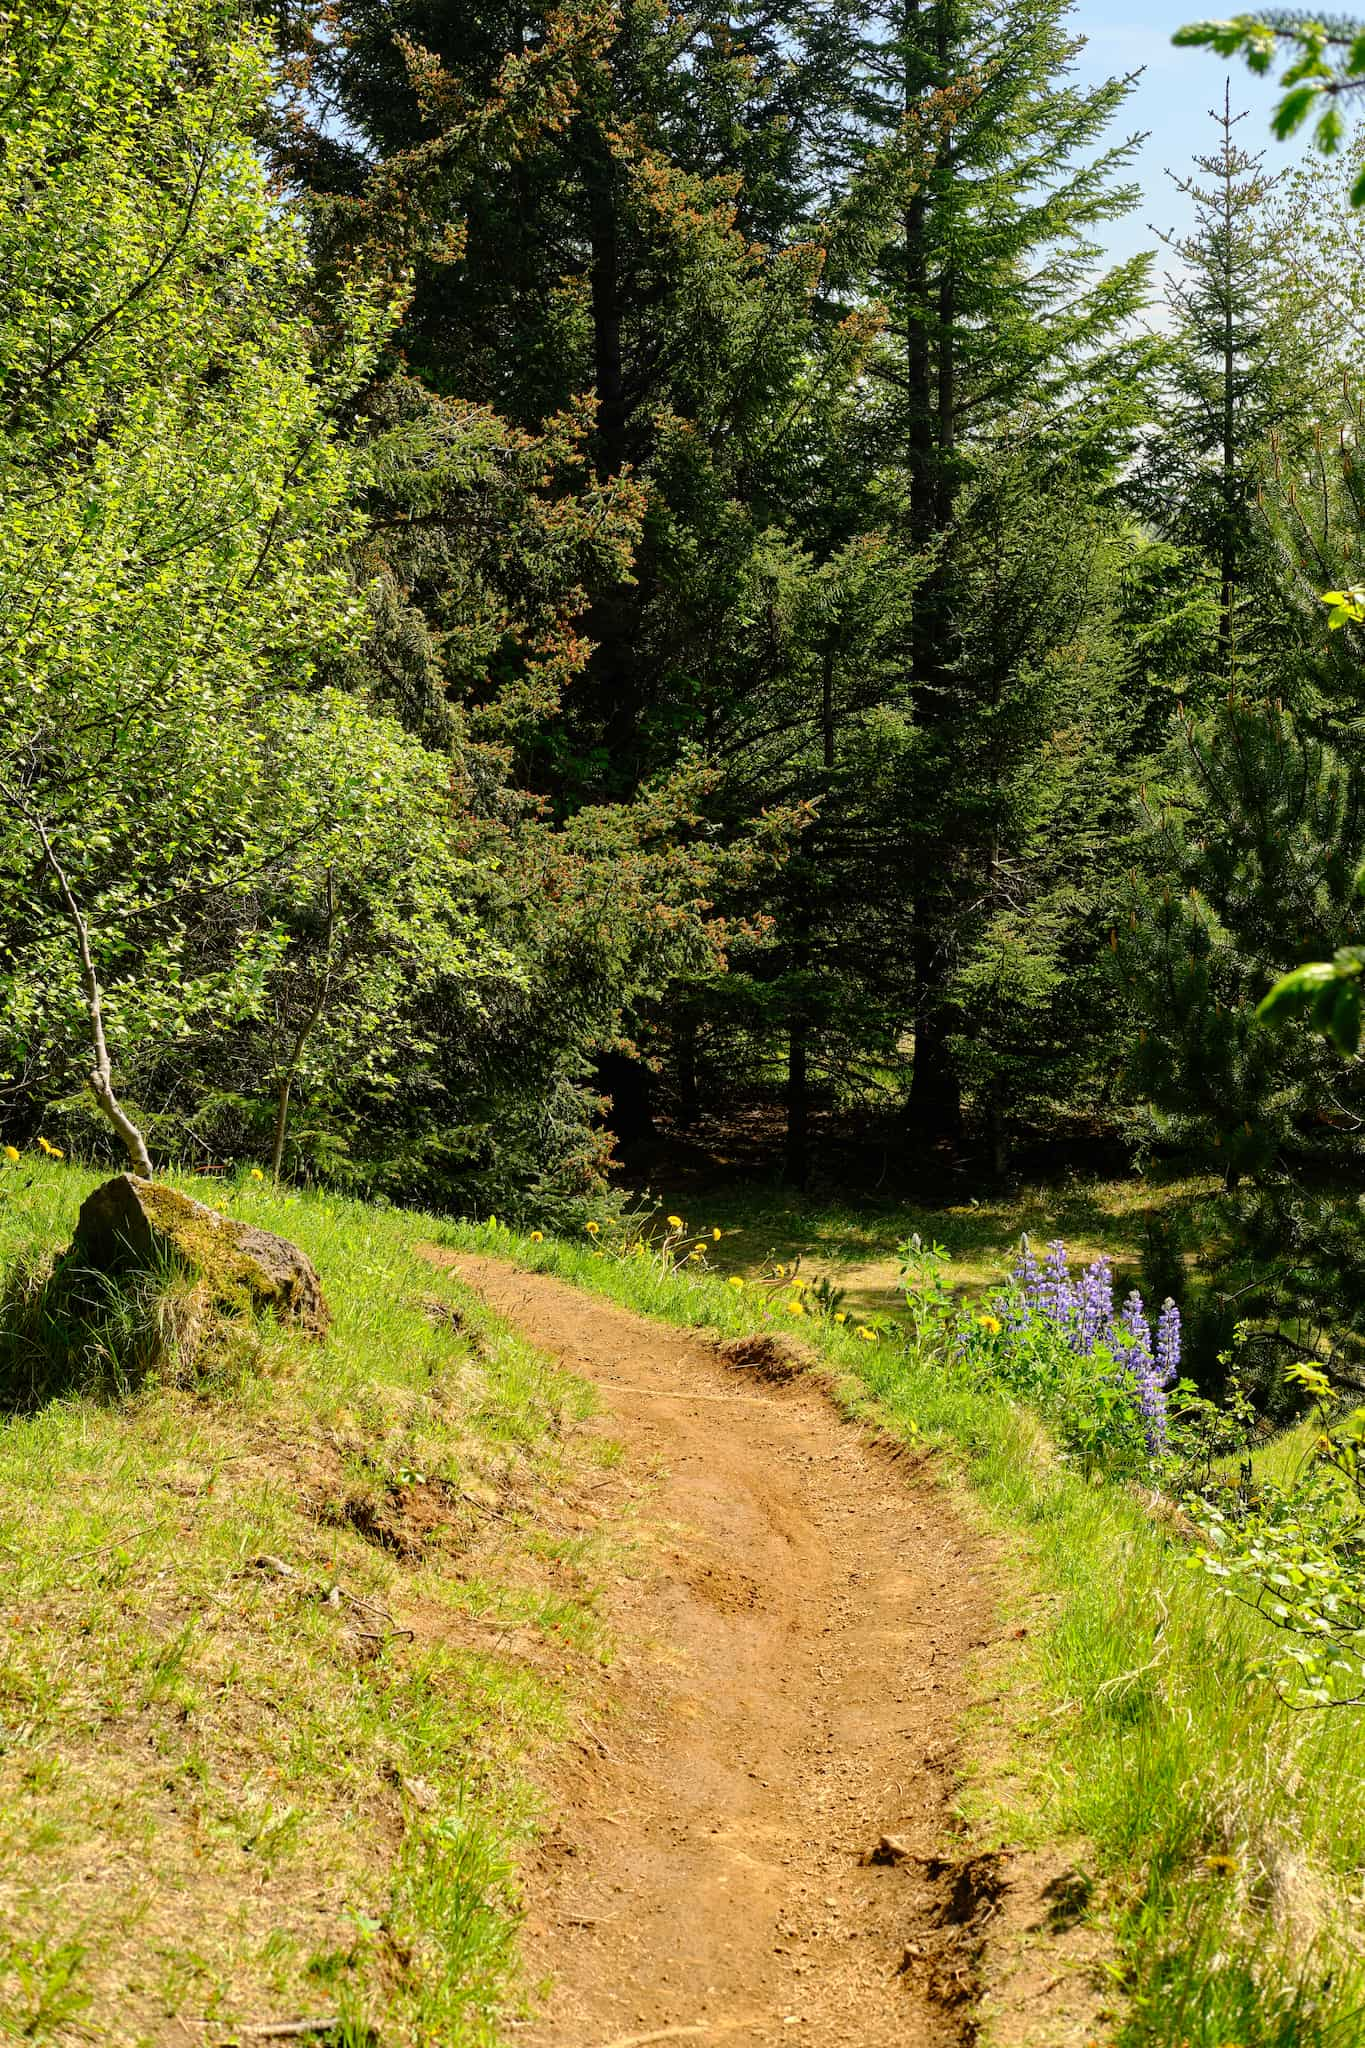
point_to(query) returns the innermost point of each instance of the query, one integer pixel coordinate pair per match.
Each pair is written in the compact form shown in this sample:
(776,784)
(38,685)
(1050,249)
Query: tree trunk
(604,282)
(796,1165)
(630,1085)
(827,703)
(1228,538)
(999,1141)
(285,1085)
(689,1094)
(281,1125)
(614,610)
(934,1109)
(100,1079)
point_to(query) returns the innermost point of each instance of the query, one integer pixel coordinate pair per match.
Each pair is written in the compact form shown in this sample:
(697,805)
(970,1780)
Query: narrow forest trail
(793,1631)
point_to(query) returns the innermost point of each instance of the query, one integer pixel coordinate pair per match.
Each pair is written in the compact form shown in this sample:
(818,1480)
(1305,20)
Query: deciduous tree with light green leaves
(174,511)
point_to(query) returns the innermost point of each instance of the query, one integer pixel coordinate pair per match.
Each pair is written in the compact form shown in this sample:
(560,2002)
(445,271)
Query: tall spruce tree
(600,208)
(602,202)
(1227,388)
(1252,827)
(980,175)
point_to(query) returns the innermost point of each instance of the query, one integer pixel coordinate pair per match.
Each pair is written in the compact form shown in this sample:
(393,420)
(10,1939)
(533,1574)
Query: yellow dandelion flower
(675,1223)
(592,1228)
(841,1315)
(1222,1866)
(700,1244)
(734,1281)
(537,1237)
(781,1272)
(715,1234)
(256,1173)
(43,1146)
(693,1255)
(991,1324)
(868,1336)
(796,1308)
(56,1152)
(797,1283)
(11,1151)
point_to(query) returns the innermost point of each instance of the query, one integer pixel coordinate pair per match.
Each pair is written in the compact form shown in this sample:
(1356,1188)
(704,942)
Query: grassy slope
(223,1795)
(1230,1833)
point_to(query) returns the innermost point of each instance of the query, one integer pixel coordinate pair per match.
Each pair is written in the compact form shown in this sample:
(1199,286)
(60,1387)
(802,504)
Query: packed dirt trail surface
(792,1634)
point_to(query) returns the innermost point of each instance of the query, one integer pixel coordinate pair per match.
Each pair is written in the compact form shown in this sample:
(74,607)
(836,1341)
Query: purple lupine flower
(1012,1309)
(1082,1312)
(1168,1342)
(1137,1359)
(1027,1275)
(1016,1309)
(1094,1306)
(1136,1324)
(1056,1296)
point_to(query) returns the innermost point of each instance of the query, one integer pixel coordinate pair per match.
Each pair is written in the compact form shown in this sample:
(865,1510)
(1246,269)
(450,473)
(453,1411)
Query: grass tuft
(67,1329)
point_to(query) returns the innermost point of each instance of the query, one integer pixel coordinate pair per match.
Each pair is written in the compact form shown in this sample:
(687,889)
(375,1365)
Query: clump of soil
(403,1519)
(763,1357)
(972,1888)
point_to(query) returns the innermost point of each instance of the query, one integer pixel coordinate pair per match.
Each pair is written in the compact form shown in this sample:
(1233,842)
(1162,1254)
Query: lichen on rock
(129,1223)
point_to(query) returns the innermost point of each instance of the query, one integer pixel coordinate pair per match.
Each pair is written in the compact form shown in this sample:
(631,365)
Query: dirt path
(786,1695)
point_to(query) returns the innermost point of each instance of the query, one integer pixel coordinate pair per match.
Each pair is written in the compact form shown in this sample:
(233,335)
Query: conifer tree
(600,202)
(1005,361)
(604,212)
(1260,837)
(1255,838)
(1226,390)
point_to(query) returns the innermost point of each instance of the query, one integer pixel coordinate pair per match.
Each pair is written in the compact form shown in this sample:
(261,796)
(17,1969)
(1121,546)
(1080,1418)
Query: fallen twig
(281,2030)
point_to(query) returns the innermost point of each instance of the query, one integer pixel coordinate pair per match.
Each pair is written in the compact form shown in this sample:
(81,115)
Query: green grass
(1228,1831)
(228,1793)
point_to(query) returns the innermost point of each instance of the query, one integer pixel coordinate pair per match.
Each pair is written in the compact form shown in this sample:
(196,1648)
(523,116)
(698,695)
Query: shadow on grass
(66,1329)
(766,1222)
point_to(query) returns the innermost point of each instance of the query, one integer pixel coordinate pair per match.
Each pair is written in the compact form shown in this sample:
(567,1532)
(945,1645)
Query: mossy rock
(129,1224)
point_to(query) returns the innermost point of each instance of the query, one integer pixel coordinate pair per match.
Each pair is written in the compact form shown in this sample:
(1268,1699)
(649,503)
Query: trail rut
(794,1635)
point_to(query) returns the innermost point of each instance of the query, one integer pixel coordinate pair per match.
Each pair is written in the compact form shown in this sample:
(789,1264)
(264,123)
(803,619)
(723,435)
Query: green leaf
(1329,131)
(1293,110)
(1343,1026)
(1294,991)
(1196,33)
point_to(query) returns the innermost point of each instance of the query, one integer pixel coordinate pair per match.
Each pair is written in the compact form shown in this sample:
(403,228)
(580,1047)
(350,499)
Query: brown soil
(752,1848)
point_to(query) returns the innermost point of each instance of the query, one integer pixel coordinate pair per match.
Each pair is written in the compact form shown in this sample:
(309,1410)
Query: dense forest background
(574,576)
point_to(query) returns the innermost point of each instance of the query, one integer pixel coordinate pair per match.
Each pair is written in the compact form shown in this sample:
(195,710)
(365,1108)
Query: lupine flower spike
(1084,1311)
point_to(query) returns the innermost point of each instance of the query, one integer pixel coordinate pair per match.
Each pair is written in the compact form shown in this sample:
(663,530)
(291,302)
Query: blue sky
(1172,99)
